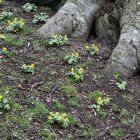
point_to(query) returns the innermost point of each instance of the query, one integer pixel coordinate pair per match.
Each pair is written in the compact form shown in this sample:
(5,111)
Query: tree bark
(126,56)
(107,28)
(74,19)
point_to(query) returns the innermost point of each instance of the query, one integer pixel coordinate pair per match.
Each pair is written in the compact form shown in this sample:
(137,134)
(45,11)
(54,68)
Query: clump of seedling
(117,133)
(4,103)
(121,84)
(71,59)
(4,51)
(28,68)
(42,17)
(28,7)
(58,40)
(100,101)
(76,74)
(15,25)
(59,118)
(92,50)
(5,16)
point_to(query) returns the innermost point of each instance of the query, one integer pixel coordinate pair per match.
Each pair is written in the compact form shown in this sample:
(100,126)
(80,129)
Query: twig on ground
(94,112)
(36,84)
(53,91)
(101,134)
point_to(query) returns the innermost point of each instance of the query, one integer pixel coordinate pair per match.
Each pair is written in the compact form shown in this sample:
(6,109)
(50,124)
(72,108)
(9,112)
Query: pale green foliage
(58,40)
(15,25)
(89,132)
(122,85)
(76,74)
(117,133)
(40,110)
(28,68)
(4,103)
(4,16)
(120,82)
(92,50)
(42,17)
(60,118)
(71,59)
(69,90)
(28,7)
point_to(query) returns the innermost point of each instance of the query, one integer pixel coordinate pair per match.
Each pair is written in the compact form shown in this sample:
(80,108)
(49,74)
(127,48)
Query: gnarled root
(126,56)
(73,19)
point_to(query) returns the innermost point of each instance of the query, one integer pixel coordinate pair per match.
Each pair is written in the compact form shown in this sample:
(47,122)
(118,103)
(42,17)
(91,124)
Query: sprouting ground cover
(43,97)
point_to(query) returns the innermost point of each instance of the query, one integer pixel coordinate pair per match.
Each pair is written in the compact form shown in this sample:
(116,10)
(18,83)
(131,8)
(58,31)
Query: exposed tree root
(75,19)
(126,56)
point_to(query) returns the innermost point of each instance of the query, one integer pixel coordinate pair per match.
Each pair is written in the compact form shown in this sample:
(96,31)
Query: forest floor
(33,96)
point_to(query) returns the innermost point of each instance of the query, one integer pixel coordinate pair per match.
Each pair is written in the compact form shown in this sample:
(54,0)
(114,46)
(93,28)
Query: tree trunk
(74,19)
(126,56)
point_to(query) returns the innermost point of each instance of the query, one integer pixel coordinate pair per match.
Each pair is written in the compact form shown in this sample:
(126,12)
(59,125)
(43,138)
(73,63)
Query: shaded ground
(28,117)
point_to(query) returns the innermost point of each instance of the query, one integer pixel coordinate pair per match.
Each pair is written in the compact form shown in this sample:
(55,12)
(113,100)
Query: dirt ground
(51,90)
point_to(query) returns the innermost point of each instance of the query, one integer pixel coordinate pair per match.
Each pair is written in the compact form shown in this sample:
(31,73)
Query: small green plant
(69,90)
(75,102)
(46,87)
(19,120)
(72,119)
(15,25)
(76,74)
(28,68)
(48,134)
(100,102)
(126,117)
(4,51)
(28,7)
(94,95)
(40,43)
(71,59)
(89,132)
(119,81)
(4,103)
(58,106)
(13,40)
(42,17)
(2,1)
(60,118)
(58,40)
(39,110)
(5,16)
(122,85)
(117,133)
(92,50)
(16,106)
(117,76)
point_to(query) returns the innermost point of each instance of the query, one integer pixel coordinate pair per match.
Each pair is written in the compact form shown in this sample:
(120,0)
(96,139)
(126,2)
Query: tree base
(74,19)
